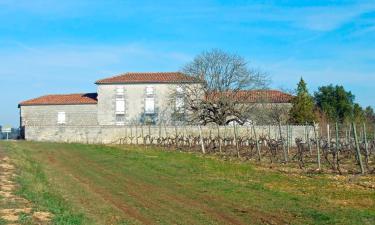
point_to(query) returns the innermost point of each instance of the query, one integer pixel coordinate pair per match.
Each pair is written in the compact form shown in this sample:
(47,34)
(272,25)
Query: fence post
(201,139)
(358,149)
(317,146)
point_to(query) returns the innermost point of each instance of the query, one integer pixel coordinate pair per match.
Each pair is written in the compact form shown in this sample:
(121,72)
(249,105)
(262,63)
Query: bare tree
(222,96)
(270,113)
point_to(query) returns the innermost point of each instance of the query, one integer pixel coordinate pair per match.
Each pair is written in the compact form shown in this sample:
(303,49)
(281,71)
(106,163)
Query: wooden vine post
(218,137)
(201,139)
(349,133)
(308,138)
(257,143)
(126,135)
(149,134)
(317,146)
(143,136)
(176,135)
(236,140)
(365,139)
(337,144)
(366,145)
(136,134)
(269,131)
(131,134)
(357,148)
(328,137)
(160,130)
(284,149)
(287,138)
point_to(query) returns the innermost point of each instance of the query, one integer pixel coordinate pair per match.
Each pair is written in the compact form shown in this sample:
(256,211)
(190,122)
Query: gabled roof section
(149,77)
(68,99)
(256,96)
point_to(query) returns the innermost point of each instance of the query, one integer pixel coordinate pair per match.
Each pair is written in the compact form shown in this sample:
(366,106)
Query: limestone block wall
(113,134)
(46,115)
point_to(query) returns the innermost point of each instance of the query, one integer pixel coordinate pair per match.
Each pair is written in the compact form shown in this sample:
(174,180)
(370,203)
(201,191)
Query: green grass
(91,184)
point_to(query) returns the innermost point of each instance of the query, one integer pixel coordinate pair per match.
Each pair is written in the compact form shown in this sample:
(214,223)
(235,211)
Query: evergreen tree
(303,105)
(335,102)
(370,115)
(358,114)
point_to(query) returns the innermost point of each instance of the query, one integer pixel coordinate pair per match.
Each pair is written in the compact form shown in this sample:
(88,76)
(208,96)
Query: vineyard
(338,148)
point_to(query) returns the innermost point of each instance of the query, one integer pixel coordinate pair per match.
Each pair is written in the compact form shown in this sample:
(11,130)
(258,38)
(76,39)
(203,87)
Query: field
(95,184)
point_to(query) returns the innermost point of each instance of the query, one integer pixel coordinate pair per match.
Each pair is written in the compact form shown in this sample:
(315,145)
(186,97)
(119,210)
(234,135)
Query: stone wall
(46,115)
(113,134)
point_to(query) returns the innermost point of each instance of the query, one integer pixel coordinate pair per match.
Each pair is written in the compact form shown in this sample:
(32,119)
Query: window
(179,98)
(120,106)
(120,119)
(149,105)
(149,90)
(179,90)
(179,103)
(61,118)
(120,92)
(120,101)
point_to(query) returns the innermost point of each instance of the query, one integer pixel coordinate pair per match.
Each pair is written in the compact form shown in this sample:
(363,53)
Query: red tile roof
(255,96)
(156,77)
(69,99)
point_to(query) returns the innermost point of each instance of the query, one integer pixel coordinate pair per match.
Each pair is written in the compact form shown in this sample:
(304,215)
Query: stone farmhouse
(120,100)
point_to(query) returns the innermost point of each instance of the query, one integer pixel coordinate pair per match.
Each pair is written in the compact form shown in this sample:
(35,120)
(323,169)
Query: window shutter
(149,105)
(120,106)
(179,90)
(179,103)
(120,91)
(149,90)
(61,118)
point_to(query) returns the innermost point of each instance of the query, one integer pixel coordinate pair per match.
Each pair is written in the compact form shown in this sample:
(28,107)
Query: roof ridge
(58,99)
(148,77)
(153,72)
(82,93)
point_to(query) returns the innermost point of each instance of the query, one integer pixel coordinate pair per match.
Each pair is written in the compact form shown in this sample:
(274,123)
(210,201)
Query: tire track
(12,207)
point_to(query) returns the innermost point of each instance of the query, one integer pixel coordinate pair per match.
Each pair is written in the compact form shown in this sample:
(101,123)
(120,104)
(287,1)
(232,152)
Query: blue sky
(54,46)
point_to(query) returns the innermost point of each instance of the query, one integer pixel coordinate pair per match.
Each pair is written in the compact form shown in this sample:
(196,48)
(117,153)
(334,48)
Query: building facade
(122,100)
